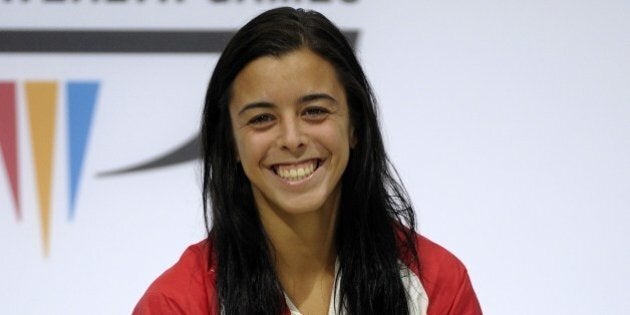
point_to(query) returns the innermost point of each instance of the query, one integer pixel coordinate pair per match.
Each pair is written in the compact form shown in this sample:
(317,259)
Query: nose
(292,137)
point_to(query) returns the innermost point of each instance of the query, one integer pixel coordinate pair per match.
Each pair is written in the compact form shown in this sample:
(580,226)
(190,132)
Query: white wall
(509,122)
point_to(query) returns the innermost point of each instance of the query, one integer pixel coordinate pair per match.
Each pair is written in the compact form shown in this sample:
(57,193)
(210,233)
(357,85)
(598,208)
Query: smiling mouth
(298,171)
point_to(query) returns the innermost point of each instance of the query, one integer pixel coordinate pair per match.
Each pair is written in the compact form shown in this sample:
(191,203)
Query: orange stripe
(41,100)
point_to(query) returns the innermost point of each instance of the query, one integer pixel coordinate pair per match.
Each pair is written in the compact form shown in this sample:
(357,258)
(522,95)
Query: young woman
(306,214)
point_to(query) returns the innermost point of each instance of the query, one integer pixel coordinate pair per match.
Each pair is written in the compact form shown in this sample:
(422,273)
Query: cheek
(337,138)
(250,148)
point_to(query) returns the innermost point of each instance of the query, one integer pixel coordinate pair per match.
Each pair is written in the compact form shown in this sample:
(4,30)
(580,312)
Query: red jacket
(190,288)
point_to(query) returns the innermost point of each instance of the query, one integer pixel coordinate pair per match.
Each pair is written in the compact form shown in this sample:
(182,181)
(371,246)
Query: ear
(237,155)
(353,138)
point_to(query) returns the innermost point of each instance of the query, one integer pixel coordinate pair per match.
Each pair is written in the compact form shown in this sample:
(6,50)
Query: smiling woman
(295,148)
(303,213)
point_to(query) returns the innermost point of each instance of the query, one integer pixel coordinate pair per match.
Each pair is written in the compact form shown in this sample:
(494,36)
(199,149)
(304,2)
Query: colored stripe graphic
(81,99)
(41,100)
(8,140)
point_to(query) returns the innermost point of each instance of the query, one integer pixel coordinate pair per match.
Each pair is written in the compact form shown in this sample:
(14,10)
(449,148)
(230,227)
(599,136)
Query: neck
(302,244)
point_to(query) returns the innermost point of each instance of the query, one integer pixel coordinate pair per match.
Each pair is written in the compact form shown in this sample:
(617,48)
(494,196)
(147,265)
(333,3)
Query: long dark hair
(375,223)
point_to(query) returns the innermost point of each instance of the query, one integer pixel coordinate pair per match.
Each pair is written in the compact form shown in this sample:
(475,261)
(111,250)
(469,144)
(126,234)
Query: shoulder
(445,280)
(188,287)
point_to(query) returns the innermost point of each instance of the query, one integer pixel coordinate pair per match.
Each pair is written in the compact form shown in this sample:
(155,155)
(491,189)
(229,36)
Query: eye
(261,120)
(315,113)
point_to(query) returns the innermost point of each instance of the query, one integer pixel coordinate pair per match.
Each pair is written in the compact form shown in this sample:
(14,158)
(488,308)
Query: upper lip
(295,162)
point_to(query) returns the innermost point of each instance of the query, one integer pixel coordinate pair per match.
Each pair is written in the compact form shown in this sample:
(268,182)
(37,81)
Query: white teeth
(296,172)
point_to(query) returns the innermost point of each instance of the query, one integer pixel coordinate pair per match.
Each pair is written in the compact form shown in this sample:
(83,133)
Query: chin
(320,200)
(301,207)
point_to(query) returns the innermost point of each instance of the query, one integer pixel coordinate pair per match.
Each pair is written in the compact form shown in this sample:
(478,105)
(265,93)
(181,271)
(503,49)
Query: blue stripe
(81,102)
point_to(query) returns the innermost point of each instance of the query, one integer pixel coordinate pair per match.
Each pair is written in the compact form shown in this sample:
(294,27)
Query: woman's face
(292,131)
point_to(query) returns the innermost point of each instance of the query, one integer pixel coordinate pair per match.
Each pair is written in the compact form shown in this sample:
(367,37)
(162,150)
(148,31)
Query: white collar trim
(417,299)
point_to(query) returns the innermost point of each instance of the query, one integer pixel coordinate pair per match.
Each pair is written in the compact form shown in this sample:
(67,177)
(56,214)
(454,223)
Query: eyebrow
(256,105)
(304,99)
(316,96)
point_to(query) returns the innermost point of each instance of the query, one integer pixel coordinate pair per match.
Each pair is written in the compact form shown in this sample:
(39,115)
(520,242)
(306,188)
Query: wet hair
(375,221)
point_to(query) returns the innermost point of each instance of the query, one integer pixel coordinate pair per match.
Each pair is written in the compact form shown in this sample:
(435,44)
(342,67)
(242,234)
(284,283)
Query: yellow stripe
(41,100)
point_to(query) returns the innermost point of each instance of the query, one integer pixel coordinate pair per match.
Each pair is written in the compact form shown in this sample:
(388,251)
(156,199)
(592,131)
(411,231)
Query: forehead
(285,78)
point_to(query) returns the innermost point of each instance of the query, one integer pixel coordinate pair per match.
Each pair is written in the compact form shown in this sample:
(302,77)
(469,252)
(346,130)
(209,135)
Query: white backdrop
(509,122)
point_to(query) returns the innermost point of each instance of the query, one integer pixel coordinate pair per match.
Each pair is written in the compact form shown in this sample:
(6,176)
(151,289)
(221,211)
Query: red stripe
(8,139)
